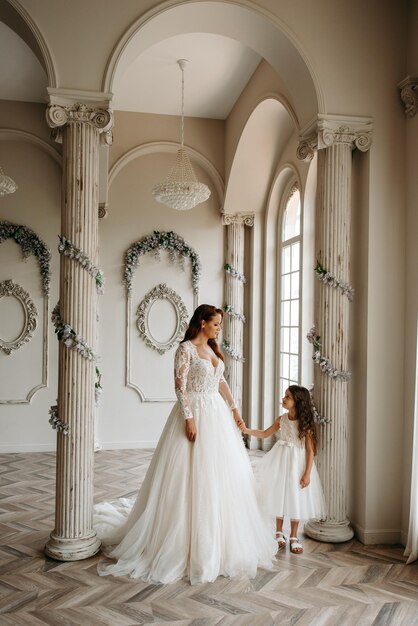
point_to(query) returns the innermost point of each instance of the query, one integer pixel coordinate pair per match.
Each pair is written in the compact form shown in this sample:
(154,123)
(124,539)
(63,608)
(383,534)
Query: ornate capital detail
(103,210)
(307,146)
(58,115)
(333,129)
(356,132)
(409,94)
(247,219)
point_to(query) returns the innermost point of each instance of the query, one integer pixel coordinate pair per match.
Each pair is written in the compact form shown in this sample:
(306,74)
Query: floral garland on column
(68,249)
(318,418)
(30,243)
(329,279)
(177,250)
(230,310)
(324,363)
(234,272)
(64,331)
(232,353)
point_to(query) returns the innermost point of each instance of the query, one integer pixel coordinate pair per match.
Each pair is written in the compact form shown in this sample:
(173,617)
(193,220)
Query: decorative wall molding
(11,289)
(12,134)
(409,94)
(128,370)
(45,352)
(162,292)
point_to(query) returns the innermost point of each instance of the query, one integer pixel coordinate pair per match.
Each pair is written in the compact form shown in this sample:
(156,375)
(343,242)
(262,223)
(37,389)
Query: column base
(329,532)
(76,549)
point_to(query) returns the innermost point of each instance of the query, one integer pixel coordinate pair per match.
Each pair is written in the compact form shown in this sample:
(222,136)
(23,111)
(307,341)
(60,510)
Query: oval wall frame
(11,289)
(161,292)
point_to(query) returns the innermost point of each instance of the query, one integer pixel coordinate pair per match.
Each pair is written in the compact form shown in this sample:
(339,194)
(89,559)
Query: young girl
(289,481)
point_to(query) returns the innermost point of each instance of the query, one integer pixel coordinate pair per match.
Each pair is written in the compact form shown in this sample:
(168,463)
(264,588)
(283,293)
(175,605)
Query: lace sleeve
(226,394)
(181,371)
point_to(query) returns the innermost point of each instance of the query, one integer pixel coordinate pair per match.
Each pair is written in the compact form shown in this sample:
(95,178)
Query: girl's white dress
(196,513)
(279,473)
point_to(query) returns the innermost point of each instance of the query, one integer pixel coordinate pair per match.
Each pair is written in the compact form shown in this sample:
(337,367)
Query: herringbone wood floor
(336,585)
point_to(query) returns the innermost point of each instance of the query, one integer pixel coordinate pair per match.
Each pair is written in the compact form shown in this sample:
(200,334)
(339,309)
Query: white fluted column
(79,127)
(234,301)
(336,139)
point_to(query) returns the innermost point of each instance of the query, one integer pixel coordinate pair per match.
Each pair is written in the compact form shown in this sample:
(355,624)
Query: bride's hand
(238,420)
(190,429)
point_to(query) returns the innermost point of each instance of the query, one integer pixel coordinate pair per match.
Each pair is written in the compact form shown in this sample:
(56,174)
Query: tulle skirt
(196,514)
(279,490)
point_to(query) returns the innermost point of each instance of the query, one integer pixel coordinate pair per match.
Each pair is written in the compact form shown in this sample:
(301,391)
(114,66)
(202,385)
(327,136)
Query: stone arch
(19,20)
(272,123)
(241,20)
(14,134)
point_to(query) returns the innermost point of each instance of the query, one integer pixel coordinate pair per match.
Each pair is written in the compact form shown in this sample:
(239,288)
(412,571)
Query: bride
(196,513)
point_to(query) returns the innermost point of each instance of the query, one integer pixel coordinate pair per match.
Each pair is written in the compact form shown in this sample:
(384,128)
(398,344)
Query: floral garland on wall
(30,243)
(177,250)
(231,310)
(69,337)
(324,363)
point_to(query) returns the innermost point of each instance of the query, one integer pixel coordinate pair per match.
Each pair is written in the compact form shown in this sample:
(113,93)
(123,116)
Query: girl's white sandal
(295,545)
(281,539)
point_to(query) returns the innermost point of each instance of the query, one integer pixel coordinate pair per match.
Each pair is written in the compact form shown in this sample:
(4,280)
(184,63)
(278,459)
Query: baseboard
(27,447)
(50,447)
(128,445)
(381,535)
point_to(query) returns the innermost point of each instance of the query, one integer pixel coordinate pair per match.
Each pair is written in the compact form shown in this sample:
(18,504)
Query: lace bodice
(192,374)
(288,433)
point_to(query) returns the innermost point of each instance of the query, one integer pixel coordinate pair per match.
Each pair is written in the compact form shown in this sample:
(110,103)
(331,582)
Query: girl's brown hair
(304,413)
(204,313)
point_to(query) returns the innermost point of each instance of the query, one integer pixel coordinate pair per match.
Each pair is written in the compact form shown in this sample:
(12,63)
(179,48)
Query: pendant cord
(182,107)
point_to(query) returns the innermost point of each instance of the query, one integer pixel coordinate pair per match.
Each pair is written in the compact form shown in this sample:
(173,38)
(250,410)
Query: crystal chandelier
(7,184)
(181,189)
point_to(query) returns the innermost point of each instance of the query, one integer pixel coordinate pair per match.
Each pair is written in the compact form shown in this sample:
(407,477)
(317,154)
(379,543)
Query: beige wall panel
(36,204)
(125,421)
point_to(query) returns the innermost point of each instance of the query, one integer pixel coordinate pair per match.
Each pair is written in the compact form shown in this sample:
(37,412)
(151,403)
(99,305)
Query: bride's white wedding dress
(196,513)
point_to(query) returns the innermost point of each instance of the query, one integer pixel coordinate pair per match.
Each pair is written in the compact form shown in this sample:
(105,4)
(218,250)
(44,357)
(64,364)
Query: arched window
(290,291)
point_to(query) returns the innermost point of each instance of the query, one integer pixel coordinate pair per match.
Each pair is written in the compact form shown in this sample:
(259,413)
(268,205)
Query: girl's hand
(305,480)
(190,429)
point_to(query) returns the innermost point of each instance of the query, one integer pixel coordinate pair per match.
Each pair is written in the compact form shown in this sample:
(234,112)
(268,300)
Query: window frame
(292,187)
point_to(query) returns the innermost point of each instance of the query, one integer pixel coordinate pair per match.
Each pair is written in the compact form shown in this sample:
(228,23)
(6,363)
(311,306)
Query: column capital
(409,94)
(247,219)
(335,129)
(308,144)
(69,107)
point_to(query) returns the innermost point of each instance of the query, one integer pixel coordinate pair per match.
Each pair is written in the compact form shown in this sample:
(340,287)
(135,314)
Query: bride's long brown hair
(204,313)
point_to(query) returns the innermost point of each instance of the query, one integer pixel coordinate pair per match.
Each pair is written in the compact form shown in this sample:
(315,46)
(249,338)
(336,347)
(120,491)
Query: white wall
(36,204)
